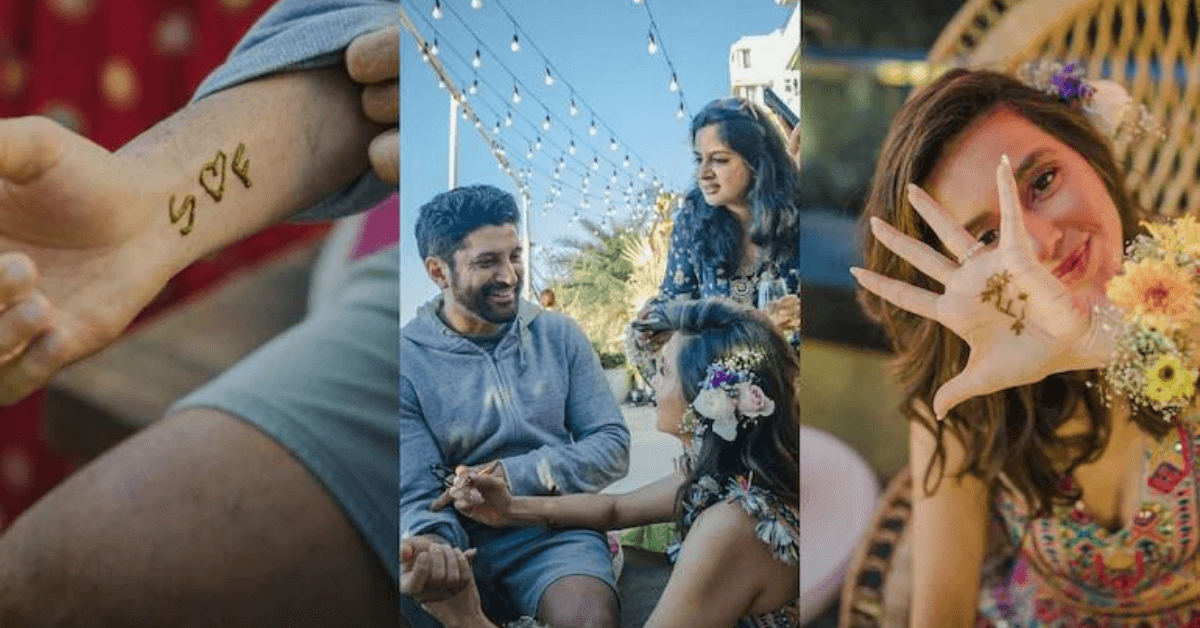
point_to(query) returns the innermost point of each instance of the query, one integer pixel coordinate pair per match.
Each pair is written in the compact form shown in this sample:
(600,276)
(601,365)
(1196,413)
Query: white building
(771,60)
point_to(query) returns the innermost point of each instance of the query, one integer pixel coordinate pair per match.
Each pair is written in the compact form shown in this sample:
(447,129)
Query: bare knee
(579,602)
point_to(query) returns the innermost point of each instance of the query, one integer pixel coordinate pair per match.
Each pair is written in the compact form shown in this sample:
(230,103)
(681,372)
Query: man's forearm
(243,158)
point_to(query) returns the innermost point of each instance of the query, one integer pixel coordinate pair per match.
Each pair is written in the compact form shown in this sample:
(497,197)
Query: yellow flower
(1167,380)
(1182,235)
(1156,289)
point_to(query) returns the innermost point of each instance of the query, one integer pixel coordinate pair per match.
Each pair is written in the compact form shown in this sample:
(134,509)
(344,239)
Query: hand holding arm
(374,60)
(1018,318)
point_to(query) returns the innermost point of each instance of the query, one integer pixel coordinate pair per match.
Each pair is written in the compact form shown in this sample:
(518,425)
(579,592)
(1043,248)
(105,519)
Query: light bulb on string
(571,147)
(515,46)
(477,62)
(641,173)
(575,216)
(548,79)
(474,88)
(572,109)
(674,86)
(433,47)
(537,143)
(529,153)
(637,1)
(651,45)
(437,10)
(546,123)
(516,95)
(478,123)
(612,143)
(466,114)
(680,113)
(592,130)
(477,4)
(614,177)
(562,162)
(441,84)
(425,53)
(625,164)
(508,119)
(496,129)
(595,163)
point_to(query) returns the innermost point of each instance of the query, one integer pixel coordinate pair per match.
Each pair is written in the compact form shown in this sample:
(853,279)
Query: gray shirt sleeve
(418,486)
(308,34)
(599,454)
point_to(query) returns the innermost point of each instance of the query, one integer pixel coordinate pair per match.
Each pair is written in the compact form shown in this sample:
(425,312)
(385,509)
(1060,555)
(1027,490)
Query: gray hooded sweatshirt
(539,403)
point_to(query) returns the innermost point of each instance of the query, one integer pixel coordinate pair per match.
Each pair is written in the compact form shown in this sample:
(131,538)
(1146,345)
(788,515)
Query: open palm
(1020,321)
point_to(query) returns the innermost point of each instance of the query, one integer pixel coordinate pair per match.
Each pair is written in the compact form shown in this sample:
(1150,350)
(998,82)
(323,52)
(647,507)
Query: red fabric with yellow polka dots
(110,69)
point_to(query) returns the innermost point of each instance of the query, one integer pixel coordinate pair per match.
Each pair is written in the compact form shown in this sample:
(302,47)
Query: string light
(612,143)
(680,113)
(674,86)
(625,164)
(546,123)
(592,130)
(537,143)
(496,129)
(515,46)
(437,10)
(651,45)
(516,96)
(549,78)
(477,62)
(595,163)
(508,119)
(433,48)
(570,149)
(474,88)
(477,4)
(572,109)
(425,53)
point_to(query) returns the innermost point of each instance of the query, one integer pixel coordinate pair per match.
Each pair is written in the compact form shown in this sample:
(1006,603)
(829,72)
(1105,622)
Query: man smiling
(488,378)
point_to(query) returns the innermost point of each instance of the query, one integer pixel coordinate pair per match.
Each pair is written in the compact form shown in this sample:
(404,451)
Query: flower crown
(1156,365)
(730,396)
(1106,104)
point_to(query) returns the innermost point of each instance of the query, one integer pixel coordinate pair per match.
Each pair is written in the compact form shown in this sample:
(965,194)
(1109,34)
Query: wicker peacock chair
(1150,46)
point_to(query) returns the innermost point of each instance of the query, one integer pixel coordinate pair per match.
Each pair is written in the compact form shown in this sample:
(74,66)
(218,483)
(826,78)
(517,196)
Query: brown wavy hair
(1014,431)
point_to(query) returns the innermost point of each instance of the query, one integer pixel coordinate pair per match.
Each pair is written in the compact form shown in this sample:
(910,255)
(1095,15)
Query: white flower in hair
(716,405)
(1108,107)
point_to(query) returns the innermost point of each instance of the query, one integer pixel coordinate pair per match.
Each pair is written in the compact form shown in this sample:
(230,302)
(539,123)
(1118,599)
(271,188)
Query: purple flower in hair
(718,376)
(1069,85)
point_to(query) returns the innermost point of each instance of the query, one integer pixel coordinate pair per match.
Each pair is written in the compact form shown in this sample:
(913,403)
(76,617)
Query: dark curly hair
(446,220)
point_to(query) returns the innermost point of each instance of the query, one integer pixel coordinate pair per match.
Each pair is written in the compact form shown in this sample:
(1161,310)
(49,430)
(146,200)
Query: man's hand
(374,60)
(432,570)
(69,212)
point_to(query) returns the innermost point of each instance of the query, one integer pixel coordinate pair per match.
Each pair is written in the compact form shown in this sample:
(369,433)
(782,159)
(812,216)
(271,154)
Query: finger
(21,324)
(470,556)
(491,466)
(959,389)
(412,581)
(381,102)
(375,56)
(442,501)
(462,567)
(47,354)
(384,155)
(490,483)
(453,576)
(18,278)
(437,564)
(1012,221)
(953,236)
(902,295)
(915,252)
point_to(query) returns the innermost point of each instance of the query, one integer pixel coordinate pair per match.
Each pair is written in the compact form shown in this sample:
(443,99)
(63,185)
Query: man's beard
(477,301)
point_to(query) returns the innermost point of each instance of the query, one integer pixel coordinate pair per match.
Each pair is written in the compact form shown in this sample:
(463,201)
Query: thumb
(470,555)
(952,393)
(488,482)
(442,501)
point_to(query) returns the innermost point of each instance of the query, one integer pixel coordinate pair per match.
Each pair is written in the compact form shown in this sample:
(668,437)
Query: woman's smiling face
(1066,207)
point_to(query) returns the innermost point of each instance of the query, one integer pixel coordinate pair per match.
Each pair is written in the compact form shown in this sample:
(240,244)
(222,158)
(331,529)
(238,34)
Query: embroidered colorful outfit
(1069,570)
(778,526)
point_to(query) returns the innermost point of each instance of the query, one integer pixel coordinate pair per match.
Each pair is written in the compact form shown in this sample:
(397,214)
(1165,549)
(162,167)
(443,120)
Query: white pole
(528,257)
(453,174)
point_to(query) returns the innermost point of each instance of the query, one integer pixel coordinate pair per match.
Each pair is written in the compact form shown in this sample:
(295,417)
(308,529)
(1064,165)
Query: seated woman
(1042,497)
(726,388)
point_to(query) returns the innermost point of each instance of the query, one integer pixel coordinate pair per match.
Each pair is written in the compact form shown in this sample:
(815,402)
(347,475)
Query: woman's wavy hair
(774,194)
(1013,432)
(770,448)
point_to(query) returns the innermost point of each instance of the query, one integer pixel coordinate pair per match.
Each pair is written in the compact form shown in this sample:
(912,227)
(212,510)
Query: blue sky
(600,48)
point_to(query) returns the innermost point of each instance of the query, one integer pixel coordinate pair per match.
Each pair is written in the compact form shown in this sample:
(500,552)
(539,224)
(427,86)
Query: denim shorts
(327,390)
(515,566)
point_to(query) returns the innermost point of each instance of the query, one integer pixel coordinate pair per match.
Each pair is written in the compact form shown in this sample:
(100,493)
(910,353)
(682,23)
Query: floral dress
(1072,571)
(778,526)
